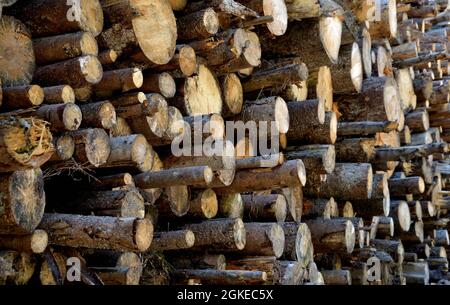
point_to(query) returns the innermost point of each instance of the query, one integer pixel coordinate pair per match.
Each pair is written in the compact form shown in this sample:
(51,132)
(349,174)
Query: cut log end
(72,117)
(277,9)
(330,35)
(143,234)
(91,68)
(39,241)
(350,236)
(239,234)
(187,60)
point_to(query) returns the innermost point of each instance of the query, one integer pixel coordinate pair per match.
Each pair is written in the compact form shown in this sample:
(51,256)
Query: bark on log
(298,245)
(36,242)
(198,25)
(92,146)
(172,240)
(62,94)
(221,277)
(203,205)
(364,128)
(22,97)
(409,185)
(231,205)
(265,207)
(332,235)
(98,232)
(195,175)
(61,116)
(263,239)
(318,159)
(337,277)
(319,208)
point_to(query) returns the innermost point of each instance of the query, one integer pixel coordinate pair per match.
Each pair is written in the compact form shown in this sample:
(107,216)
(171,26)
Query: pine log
(364,128)
(298,245)
(16,53)
(337,277)
(130,23)
(332,235)
(306,113)
(406,89)
(232,94)
(221,277)
(401,215)
(423,88)
(382,227)
(61,116)
(173,200)
(198,25)
(130,151)
(405,50)
(85,70)
(182,64)
(62,94)
(409,185)
(36,242)
(122,80)
(22,97)
(263,239)
(441,237)
(92,146)
(195,175)
(349,181)
(265,207)
(231,205)
(409,152)
(199,94)
(53,49)
(175,128)
(198,261)
(107,57)
(64,148)
(355,150)
(288,174)
(317,208)
(173,240)
(162,83)
(106,183)
(416,273)
(217,235)
(394,248)
(318,158)
(98,232)
(204,126)
(25,143)
(265,161)
(203,205)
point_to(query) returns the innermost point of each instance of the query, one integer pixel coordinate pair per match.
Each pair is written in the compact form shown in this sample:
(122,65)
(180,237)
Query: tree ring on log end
(350,237)
(239,234)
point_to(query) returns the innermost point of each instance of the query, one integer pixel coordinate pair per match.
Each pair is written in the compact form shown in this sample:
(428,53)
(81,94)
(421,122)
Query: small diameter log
(364,128)
(382,227)
(268,208)
(98,115)
(232,94)
(349,181)
(107,57)
(118,203)
(130,151)
(221,277)
(162,83)
(408,98)
(106,183)
(25,143)
(408,185)
(409,152)
(172,240)
(317,158)
(92,146)
(130,29)
(288,174)
(16,53)
(35,242)
(319,208)
(401,215)
(231,205)
(355,149)
(61,116)
(264,79)
(337,277)
(298,245)
(234,50)
(195,175)
(22,97)
(119,81)
(303,116)
(192,100)
(332,235)
(53,49)
(64,148)
(325,133)
(198,25)
(378,101)
(204,205)
(265,161)
(217,235)
(62,94)
(423,88)
(263,239)
(98,232)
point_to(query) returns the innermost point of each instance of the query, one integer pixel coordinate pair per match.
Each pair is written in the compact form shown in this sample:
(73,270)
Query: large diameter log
(379,101)
(36,242)
(221,277)
(130,151)
(263,239)
(98,232)
(288,174)
(200,94)
(51,17)
(219,234)
(84,70)
(24,143)
(173,240)
(265,207)
(17,59)
(99,115)
(131,21)
(408,185)
(332,235)
(23,201)
(349,181)
(355,150)
(53,49)
(92,146)
(304,114)
(195,175)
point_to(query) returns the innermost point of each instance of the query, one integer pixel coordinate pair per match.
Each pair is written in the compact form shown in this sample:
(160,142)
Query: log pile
(280,142)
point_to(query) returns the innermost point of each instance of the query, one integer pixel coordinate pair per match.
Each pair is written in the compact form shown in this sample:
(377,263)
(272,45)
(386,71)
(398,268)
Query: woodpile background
(92,97)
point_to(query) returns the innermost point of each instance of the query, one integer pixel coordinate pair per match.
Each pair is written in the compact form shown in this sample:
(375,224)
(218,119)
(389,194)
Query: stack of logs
(128,165)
